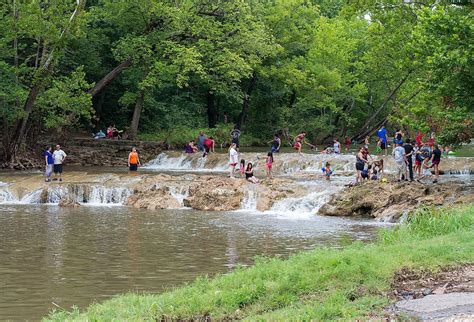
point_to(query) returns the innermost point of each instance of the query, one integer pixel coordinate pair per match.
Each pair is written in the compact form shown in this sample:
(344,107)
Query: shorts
(48,171)
(269,166)
(133,167)
(383,145)
(359,166)
(233,164)
(417,163)
(435,162)
(58,168)
(275,149)
(297,146)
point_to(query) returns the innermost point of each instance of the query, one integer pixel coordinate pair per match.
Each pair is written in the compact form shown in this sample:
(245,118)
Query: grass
(323,284)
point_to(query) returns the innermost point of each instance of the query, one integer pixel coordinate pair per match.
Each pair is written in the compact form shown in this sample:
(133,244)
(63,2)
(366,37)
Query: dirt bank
(389,201)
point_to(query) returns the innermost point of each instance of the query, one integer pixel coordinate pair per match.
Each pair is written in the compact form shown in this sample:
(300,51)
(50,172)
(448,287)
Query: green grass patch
(323,284)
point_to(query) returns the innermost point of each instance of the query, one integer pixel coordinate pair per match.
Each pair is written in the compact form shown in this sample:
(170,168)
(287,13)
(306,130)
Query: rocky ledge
(389,201)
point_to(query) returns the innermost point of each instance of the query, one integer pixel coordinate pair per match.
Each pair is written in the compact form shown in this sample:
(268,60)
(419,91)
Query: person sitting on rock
(249,174)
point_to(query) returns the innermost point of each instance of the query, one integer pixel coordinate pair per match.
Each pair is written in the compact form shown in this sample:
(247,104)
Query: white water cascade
(179,193)
(84,194)
(249,202)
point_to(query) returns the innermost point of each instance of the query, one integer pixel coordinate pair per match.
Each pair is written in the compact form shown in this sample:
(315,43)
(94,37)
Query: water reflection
(80,255)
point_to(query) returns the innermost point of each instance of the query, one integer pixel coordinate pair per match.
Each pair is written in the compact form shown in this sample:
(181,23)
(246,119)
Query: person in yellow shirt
(133,160)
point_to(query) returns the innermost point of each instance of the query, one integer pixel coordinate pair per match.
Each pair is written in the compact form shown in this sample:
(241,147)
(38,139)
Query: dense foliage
(332,68)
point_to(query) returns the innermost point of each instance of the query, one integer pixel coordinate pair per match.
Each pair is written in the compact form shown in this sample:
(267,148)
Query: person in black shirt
(409,153)
(435,160)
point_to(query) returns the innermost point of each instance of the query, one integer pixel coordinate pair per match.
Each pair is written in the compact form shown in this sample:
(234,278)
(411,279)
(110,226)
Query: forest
(165,69)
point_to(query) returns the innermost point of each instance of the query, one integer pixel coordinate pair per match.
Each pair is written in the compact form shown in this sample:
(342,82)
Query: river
(51,255)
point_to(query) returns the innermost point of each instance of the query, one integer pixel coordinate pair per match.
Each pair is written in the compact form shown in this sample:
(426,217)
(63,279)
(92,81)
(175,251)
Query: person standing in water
(409,155)
(361,161)
(435,160)
(382,134)
(49,162)
(200,141)
(269,164)
(233,158)
(208,146)
(299,140)
(133,160)
(401,161)
(347,142)
(337,146)
(59,156)
(276,144)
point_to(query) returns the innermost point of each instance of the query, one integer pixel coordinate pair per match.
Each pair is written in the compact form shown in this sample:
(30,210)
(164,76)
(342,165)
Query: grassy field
(323,284)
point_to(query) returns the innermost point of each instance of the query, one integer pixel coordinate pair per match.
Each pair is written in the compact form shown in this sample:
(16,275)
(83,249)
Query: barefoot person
(347,143)
(59,156)
(435,160)
(269,164)
(49,162)
(233,158)
(133,160)
(249,174)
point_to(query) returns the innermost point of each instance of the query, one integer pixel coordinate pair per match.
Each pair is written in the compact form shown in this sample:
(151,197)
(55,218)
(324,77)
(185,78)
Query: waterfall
(164,162)
(179,193)
(305,205)
(249,202)
(6,196)
(84,194)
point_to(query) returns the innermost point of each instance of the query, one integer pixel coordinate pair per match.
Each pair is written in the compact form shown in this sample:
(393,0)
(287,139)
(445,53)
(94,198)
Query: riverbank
(323,284)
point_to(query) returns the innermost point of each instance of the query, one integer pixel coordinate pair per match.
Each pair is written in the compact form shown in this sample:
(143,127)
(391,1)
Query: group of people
(54,163)
(247,169)
(411,157)
(111,133)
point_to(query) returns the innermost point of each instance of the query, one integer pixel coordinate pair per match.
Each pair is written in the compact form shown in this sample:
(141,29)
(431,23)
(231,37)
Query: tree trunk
(42,73)
(377,112)
(246,100)
(100,85)
(136,116)
(360,137)
(211,109)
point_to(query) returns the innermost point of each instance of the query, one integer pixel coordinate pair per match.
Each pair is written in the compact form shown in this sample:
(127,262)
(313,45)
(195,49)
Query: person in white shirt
(337,146)
(59,156)
(233,158)
(401,161)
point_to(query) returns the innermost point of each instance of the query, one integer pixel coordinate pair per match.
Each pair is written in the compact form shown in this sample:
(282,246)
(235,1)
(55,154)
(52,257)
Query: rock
(389,201)
(69,203)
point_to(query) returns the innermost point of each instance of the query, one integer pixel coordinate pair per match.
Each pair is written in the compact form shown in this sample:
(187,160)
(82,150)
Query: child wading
(269,164)
(242,167)
(327,171)
(49,161)
(133,160)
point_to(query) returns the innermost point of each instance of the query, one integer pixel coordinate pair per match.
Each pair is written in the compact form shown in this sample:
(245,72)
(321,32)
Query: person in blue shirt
(49,161)
(382,134)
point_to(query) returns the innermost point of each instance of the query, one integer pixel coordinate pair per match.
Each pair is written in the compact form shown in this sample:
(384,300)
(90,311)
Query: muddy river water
(74,256)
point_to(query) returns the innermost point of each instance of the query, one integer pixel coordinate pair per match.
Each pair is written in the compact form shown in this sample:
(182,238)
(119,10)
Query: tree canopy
(332,68)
